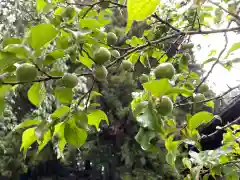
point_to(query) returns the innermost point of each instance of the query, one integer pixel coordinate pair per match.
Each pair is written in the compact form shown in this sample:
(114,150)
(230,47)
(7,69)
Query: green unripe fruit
(100,73)
(115,53)
(69,80)
(115,79)
(187,46)
(203,88)
(127,65)
(164,70)
(111,38)
(199,97)
(101,55)
(164,105)
(144,78)
(26,72)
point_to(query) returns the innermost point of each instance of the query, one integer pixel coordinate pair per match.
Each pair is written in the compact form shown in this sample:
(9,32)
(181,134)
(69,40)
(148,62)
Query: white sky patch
(220,78)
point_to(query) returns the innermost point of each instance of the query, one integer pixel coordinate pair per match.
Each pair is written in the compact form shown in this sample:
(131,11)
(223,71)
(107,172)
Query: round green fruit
(116,79)
(203,88)
(127,65)
(111,38)
(100,73)
(101,55)
(187,46)
(164,70)
(144,78)
(26,72)
(69,80)
(199,97)
(115,53)
(164,105)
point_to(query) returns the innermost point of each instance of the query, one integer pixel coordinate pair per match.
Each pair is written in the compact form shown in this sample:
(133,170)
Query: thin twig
(225,10)
(42,79)
(215,63)
(165,22)
(89,94)
(220,129)
(169,37)
(210,99)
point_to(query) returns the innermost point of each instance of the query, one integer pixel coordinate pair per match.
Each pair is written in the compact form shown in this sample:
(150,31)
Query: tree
(115,86)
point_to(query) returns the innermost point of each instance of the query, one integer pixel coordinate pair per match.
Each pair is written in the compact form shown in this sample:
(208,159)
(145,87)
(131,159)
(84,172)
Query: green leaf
(19,50)
(3,92)
(59,132)
(200,118)
(234,47)
(171,158)
(95,117)
(134,41)
(60,112)
(7,59)
(27,123)
(182,91)
(144,137)
(210,104)
(41,35)
(74,135)
(157,87)
(172,146)
(81,120)
(37,93)
(11,41)
(46,138)
(85,60)
(64,95)
(53,56)
(187,163)
(133,58)
(28,138)
(90,23)
(209,60)
(148,119)
(139,10)
(41,4)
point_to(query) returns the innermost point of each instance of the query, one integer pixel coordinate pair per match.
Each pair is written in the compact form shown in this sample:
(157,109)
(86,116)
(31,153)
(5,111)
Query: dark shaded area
(229,114)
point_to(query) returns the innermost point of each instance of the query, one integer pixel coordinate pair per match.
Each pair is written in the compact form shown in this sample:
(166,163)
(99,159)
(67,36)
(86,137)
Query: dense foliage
(111,89)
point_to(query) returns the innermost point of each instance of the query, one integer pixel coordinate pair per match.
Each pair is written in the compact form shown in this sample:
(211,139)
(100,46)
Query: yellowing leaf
(74,135)
(140,10)
(59,131)
(46,138)
(157,87)
(37,93)
(41,35)
(28,138)
(234,47)
(27,123)
(60,112)
(41,5)
(95,117)
(199,118)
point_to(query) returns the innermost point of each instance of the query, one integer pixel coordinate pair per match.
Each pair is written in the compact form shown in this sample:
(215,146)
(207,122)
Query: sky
(220,78)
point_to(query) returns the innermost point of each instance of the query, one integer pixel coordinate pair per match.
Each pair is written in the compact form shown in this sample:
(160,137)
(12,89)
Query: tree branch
(165,22)
(215,63)
(210,99)
(173,36)
(42,79)
(220,129)
(225,10)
